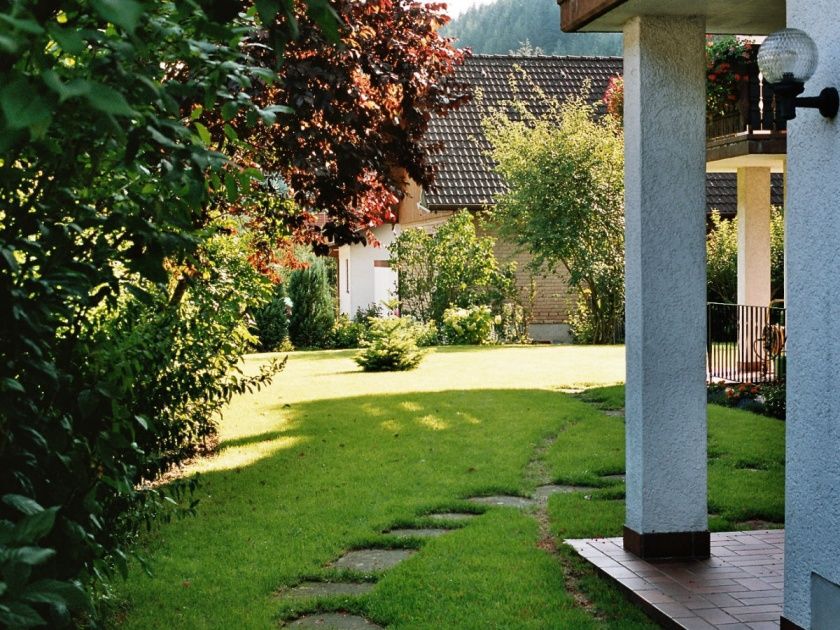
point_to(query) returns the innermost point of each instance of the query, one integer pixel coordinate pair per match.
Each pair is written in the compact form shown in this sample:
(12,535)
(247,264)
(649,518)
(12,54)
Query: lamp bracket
(828,102)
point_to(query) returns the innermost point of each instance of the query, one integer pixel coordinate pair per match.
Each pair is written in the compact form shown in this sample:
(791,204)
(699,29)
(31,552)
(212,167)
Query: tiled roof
(722,192)
(466,177)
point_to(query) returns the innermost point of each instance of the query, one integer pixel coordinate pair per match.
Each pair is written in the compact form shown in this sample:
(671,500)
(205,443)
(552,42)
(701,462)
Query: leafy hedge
(120,311)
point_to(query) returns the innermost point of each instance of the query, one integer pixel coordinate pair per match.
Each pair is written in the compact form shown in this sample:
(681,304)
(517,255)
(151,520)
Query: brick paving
(739,588)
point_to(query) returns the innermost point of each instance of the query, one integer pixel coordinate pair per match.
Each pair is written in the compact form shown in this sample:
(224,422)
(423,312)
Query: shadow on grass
(346,469)
(332,475)
(252,439)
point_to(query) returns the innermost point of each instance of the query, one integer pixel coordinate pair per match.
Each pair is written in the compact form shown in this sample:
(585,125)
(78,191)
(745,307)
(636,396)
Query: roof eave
(575,14)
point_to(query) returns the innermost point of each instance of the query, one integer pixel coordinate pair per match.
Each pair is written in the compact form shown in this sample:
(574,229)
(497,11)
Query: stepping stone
(614,477)
(371,560)
(503,501)
(423,532)
(543,492)
(334,621)
(452,516)
(328,589)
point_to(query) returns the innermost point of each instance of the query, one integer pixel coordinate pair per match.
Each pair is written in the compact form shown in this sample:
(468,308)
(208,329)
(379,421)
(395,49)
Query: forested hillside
(528,26)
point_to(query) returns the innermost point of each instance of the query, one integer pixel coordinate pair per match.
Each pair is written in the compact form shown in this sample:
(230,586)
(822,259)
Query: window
(422,205)
(347,274)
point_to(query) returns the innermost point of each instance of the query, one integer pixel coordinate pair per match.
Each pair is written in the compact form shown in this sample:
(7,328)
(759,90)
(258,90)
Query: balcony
(748,133)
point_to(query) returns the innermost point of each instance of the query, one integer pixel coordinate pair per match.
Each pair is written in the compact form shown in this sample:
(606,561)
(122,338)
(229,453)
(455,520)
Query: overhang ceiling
(742,17)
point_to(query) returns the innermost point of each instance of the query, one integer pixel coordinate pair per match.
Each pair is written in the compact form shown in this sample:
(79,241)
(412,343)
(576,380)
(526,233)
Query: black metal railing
(745,344)
(754,110)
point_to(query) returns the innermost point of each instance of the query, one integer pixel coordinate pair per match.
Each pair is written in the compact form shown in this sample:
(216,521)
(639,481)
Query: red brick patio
(739,588)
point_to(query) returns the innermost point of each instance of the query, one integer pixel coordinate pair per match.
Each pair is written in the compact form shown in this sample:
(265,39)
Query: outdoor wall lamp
(787,59)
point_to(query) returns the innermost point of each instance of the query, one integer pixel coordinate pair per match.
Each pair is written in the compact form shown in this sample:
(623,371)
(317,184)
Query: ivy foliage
(564,172)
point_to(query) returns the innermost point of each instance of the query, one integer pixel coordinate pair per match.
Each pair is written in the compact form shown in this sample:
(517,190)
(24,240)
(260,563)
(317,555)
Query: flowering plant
(727,59)
(614,97)
(733,395)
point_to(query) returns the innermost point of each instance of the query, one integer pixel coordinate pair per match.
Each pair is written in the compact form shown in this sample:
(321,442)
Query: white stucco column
(812,488)
(753,257)
(665,149)
(754,236)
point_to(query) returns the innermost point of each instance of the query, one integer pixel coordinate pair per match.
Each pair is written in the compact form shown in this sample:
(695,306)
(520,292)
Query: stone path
(452,516)
(420,532)
(503,501)
(328,589)
(373,560)
(543,492)
(333,621)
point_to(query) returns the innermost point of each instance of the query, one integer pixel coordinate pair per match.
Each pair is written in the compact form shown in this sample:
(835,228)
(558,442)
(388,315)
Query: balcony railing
(746,344)
(754,110)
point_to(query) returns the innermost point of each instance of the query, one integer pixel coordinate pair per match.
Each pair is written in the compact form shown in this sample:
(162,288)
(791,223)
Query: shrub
(722,257)
(346,333)
(271,322)
(152,369)
(390,346)
(768,400)
(775,400)
(454,266)
(468,326)
(313,307)
(173,364)
(512,324)
(427,333)
(364,314)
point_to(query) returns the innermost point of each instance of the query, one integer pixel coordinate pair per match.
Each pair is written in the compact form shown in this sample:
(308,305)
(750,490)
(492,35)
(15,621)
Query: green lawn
(328,457)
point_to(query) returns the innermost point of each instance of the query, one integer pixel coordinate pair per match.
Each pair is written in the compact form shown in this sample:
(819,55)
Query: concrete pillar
(754,236)
(753,260)
(665,149)
(812,484)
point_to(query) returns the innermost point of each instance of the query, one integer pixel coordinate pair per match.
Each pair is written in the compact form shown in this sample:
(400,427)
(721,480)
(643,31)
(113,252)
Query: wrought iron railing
(754,110)
(746,344)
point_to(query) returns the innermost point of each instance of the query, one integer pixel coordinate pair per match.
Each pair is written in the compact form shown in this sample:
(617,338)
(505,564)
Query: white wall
(366,284)
(813,300)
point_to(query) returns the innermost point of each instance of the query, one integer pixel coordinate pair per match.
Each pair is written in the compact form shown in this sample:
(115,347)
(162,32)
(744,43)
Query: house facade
(666,160)
(467,180)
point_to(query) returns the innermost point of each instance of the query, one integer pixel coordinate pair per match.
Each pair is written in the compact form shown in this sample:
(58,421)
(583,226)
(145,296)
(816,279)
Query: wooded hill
(526,27)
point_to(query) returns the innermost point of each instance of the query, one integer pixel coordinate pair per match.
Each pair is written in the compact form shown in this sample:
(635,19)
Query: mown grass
(327,458)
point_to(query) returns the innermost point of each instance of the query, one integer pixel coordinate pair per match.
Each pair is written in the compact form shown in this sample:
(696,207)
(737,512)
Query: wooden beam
(575,14)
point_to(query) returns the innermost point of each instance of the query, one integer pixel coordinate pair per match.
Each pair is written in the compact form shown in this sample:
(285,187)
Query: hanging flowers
(727,59)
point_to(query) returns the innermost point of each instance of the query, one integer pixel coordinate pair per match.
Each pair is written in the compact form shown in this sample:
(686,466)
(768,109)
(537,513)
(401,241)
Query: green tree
(722,258)
(271,321)
(453,266)
(565,202)
(313,306)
